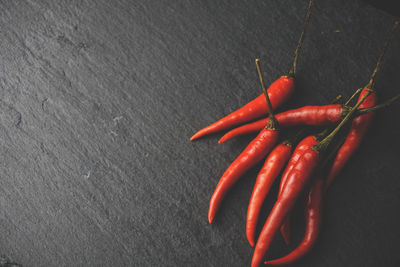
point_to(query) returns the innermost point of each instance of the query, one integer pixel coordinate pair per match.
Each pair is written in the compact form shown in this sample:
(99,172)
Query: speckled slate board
(99,98)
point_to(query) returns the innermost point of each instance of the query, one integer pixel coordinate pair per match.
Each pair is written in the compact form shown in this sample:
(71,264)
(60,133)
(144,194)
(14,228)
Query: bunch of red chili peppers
(309,162)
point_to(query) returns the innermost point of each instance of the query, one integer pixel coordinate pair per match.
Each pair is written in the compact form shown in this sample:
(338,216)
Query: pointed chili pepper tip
(203,132)
(196,136)
(222,140)
(250,236)
(210,217)
(251,243)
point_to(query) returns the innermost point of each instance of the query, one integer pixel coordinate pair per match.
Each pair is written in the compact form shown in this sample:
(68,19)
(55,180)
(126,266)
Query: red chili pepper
(301,147)
(312,217)
(360,124)
(252,154)
(359,128)
(327,115)
(299,150)
(313,224)
(295,183)
(267,175)
(313,210)
(278,92)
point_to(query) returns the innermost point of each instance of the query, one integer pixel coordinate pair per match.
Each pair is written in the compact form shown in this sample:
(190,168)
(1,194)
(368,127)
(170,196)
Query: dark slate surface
(98,100)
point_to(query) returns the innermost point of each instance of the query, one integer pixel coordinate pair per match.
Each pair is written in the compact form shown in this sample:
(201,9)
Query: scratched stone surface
(99,98)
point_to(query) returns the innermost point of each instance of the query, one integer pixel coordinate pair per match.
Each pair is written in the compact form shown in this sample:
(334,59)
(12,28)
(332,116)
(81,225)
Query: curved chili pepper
(295,183)
(278,92)
(327,115)
(313,224)
(360,124)
(312,212)
(304,144)
(313,209)
(267,175)
(358,129)
(252,154)
(297,179)
(299,150)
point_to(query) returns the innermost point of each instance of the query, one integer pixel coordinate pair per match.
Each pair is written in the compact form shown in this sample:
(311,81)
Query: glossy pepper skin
(299,150)
(308,115)
(252,154)
(296,181)
(313,216)
(278,92)
(358,129)
(273,165)
(301,147)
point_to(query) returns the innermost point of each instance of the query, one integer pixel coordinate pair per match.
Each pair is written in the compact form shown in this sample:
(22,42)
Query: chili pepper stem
(369,89)
(383,105)
(353,96)
(323,145)
(292,71)
(272,123)
(371,83)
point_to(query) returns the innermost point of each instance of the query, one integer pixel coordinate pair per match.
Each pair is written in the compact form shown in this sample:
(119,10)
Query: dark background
(98,101)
